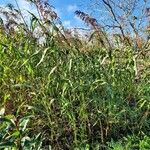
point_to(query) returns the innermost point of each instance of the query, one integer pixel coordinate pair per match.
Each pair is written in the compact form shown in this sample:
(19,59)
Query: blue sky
(64,8)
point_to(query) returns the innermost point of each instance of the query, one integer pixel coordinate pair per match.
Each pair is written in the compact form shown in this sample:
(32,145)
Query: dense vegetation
(70,93)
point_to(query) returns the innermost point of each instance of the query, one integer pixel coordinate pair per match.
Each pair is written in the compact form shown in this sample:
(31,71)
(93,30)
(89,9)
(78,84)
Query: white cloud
(58,12)
(72,8)
(67,23)
(78,21)
(26,6)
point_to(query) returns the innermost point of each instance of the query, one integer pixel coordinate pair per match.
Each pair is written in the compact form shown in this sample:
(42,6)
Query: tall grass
(79,100)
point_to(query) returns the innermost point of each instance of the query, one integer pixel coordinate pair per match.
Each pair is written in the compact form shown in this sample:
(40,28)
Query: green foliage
(96,99)
(15,134)
(131,142)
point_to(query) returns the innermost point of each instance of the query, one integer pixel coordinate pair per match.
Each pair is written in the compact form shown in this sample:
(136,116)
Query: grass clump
(97,99)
